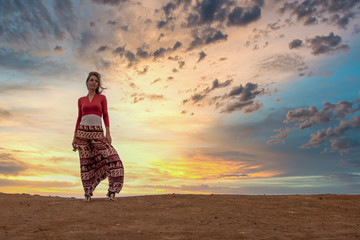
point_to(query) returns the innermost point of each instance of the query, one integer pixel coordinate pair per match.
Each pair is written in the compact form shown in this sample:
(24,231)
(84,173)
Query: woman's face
(93,82)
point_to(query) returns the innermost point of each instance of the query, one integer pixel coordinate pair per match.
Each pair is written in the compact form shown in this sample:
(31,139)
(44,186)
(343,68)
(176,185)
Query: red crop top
(97,106)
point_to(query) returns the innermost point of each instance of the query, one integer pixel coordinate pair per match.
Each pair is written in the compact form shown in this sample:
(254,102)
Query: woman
(98,158)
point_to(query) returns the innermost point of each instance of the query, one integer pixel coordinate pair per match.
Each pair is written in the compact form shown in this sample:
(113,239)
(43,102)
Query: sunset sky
(205,96)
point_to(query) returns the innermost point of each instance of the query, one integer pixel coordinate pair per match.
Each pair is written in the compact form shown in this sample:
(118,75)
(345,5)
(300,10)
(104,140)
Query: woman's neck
(91,93)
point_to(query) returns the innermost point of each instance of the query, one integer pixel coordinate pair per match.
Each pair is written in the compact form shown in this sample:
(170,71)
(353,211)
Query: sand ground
(178,216)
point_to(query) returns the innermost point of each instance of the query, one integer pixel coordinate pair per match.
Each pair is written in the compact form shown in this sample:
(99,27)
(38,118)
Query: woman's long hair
(100,88)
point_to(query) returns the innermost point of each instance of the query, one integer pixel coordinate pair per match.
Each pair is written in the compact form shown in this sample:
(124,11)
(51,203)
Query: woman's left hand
(108,137)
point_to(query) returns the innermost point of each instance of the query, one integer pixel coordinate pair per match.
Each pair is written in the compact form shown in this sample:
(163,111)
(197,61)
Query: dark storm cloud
(28,21)
(109,2)
(10,166)
(335,12)
(295,43)
(326,44)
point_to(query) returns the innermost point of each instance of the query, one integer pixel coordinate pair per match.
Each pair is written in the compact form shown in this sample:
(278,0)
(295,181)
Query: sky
(204,96)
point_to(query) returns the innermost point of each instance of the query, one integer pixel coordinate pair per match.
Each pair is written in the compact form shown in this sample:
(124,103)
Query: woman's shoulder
(102,95)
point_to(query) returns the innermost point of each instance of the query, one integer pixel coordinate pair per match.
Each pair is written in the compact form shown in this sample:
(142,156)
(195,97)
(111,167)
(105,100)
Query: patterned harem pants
(98,159)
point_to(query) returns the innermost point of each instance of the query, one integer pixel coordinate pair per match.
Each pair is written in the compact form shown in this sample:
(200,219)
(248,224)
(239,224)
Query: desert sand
(181,216)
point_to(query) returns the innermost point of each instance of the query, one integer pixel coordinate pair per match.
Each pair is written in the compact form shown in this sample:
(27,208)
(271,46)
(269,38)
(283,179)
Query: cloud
(223,11)
(10,166)
(322,136)
(242,98)
(295,43)
(143,53)
(38,184)
(274,141)
(307,116)
(326,44)
(22,62)
(305,119)
(343,145)
(335,12)
(102,49)
(345,177)
(351,162)
(4,113)
(283,133)
(207,36)
(181,64)
(202,55)
(241,17)
(58,48)
(109,2)
(18,60)
(281,63)
(145,69)
(199,96)
(34,22)
(137,97)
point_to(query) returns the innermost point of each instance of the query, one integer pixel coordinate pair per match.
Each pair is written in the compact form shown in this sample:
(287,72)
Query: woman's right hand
(73,144)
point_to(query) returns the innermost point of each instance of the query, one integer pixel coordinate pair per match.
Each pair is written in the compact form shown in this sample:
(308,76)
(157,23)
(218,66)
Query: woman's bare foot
(87,198)
(111,196)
